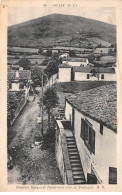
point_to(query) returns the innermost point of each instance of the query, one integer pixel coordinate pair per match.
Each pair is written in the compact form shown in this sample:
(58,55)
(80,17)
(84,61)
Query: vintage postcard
(60,95)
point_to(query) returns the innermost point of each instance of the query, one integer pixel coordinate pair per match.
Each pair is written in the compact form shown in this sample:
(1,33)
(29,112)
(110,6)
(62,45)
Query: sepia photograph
(61,95)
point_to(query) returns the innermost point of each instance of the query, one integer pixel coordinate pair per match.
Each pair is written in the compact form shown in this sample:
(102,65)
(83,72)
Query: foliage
(50,100)
(95,73)
(36,76)
(13,101)
(52,67)
(72,53)
(91,58)
(49,52)
(25,63)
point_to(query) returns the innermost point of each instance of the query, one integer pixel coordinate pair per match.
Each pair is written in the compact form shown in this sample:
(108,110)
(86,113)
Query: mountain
(58,28)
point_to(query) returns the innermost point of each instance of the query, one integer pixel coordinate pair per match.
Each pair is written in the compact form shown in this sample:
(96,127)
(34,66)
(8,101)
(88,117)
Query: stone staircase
(77,170)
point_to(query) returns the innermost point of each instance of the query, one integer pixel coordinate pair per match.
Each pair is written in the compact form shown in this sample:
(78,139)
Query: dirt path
(31,165)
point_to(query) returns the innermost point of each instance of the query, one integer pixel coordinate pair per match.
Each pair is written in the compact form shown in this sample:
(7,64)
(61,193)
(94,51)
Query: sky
(19,15)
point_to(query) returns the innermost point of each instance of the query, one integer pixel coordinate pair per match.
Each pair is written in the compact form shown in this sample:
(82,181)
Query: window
(112,175)
(101,129)
(102,76)
(21,85)
(87,76)
(88,135)
(10,85)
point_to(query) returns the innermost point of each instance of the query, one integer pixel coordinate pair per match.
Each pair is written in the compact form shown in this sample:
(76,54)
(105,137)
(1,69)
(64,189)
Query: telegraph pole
(42,106)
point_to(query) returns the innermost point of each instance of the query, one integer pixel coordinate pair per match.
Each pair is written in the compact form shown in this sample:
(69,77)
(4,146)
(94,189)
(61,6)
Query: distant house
(76,61)
(64,73)
(19,80)
(103,50)
(94,124)
(54,51)
(102,74)
(69,73)
(64,55)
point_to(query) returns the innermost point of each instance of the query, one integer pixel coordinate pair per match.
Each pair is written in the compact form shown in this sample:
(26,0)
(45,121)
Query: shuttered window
(88,135)
(82,128)
(92,140)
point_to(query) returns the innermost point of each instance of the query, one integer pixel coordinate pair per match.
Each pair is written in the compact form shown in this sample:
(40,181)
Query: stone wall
(62,156)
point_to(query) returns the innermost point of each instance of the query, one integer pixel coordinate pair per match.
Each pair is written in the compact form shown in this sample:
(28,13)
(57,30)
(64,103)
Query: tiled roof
(64,66)
(23,74)
(76,59)
(99,103)
(87,69)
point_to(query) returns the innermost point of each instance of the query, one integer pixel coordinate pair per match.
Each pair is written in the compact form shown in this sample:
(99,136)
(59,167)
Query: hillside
(47,30)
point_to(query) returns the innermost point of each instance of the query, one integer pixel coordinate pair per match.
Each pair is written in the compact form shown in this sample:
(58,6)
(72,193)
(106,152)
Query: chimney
(17,74)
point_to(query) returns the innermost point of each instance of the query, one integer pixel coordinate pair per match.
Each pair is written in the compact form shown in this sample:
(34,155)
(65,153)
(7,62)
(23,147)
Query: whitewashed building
(101,74)
(93,119)
(64,55)
(64,73)
(76,61)
(103,50)
(19,81)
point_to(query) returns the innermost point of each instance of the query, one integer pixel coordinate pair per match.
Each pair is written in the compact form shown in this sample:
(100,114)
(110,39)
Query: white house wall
(75,63)
(105,147)
(68,112)
(80,76)
(64,74)
(15,87)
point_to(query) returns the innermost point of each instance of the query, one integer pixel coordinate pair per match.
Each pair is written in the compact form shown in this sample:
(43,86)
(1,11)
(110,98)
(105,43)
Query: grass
(46,30)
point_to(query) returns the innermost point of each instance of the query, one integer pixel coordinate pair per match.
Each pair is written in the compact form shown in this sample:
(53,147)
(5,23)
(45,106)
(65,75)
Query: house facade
(103,50)
(101,74)
(76,61)
(93,120)
(64,74)
(64,55)
(19,80)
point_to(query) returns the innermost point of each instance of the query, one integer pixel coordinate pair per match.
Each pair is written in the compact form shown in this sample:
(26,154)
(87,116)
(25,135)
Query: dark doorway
(72,74)
(91,179)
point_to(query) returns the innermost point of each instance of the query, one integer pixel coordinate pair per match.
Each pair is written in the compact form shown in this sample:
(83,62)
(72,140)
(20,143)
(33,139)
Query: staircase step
(71,143)
(74,154)
(72,146)
(76,177)
(70,140)
(76,164)
(74,157)
(72,150)
(80,181)
(78,173)
(77,169)
(75,161)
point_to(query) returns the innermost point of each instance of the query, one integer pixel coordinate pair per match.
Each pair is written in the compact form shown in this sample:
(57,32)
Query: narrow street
(32,164)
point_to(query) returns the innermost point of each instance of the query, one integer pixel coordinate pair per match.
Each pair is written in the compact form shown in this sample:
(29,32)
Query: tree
(25,63)
(49,52)
(50,100)
(52,67)
(95,73)
(91,58)
(72,53)
(36,76)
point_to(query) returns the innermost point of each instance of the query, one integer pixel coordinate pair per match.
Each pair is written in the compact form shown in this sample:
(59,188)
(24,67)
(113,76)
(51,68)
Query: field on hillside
(48,30)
